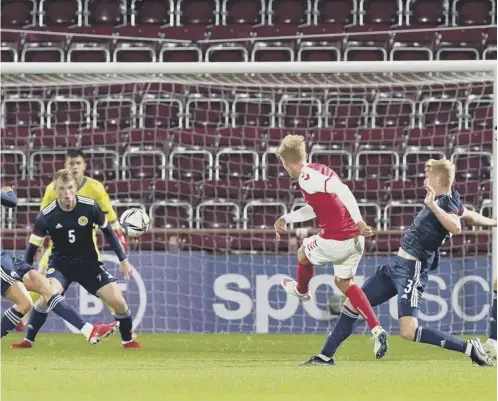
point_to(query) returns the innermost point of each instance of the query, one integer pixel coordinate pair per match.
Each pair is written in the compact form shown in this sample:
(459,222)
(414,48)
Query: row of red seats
(478,243)
(259,139)
(262,214)
(200,164)
(119,112)
(218,12)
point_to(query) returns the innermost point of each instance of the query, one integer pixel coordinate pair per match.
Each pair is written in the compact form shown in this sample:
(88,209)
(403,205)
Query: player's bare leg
(51,289)
(305,272)
(490,345)
(18,294)
(411,331)
(112,295)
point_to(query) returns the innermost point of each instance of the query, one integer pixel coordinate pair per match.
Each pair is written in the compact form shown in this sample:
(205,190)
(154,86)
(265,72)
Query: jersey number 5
(72,237)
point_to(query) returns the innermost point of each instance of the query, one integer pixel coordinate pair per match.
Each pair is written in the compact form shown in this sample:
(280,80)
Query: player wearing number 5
(90,188)
(70,221)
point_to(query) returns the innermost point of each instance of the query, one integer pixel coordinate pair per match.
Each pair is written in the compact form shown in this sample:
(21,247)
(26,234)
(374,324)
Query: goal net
(194,146)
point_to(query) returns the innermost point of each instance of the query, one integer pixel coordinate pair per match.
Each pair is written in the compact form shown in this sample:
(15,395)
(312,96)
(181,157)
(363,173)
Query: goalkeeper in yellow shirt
(75,162)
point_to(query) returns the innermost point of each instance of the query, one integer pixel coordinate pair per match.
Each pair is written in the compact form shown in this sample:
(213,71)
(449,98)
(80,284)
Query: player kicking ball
(407,275)
(70,220)
(340,239)
(17,278)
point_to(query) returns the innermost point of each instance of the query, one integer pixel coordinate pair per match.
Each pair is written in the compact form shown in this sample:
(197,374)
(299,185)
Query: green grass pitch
(235,367)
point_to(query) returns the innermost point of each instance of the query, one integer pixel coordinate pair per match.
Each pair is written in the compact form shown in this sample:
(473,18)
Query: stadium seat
(388,12)
(114,112)
(378,164)
(381,138)
(371,212)
(262,214)
(393,112)
(33,53)
(14,164)
(62,12)
(335,11)
(479,113)
(69,112)
(19,13)
(407,53)
(341,161)
(103,164)
(230,189)
(280,189)
(105,12)
(243,12)
(368,190)
(398,215)
(318,53)
(227,54)
(144,163)
(205,112)
(32,189)
(89,53)
(15,138)
(198,137)
(9,53)
(299,112)
(346,112)
(174,53)
(414,161)
(473,12)
(469,191)
(236,163)
(407,190)
(432,136)
(54,138)
(195,165)
(171,214)
(197,12)
(427,12)
(476,139)
(217,214)
(160,113)
(23,112)
(271,166)
(45,163)
(249,111)
(295,12)
(102,138)
(435,112)
(187,191)
(25,215)
(472,165)
(460,53)
(134,53)
(139,189)
(365,53)
(152,12)
(275,135)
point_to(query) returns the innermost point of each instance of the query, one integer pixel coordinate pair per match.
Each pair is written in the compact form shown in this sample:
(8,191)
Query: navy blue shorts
(12,269)
(405,278)
(91,276)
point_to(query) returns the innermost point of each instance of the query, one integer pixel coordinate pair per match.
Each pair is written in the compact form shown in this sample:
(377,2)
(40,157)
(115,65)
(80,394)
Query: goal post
(194,145)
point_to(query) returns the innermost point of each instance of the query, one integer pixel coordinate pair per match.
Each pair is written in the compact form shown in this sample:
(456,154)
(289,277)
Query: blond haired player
(86,186)
(407,274)
(340,239)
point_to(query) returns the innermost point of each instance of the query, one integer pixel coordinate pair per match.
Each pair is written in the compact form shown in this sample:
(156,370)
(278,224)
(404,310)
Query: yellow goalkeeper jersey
(91,188)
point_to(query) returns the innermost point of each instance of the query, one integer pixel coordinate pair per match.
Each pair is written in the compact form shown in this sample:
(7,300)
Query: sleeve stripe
(325,185)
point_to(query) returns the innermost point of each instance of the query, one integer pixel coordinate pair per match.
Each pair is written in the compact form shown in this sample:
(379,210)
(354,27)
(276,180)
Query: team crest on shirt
(82,221)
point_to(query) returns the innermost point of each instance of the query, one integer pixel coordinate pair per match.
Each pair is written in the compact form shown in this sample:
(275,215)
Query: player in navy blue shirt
(17,277)
(70,222)
(407,275)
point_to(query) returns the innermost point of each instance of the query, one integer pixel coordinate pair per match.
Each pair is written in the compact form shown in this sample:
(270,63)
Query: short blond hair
(64,175)
(443,169)
(292,149)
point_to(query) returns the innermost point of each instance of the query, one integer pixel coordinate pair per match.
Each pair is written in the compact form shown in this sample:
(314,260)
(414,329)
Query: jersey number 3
(72,237)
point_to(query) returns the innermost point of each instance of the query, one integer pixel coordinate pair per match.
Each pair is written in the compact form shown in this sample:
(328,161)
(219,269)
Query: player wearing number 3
(406,277)
(340,239)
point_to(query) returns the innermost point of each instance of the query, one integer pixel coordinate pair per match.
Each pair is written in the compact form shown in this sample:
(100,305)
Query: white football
(134,222)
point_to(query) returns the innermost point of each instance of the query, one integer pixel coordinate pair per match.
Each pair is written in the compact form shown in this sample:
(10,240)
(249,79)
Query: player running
(408,273)
(17,276)
(89,187)
(70,222)
(340,239)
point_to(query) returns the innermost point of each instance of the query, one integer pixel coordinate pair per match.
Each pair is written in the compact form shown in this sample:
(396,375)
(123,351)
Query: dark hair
(75,153)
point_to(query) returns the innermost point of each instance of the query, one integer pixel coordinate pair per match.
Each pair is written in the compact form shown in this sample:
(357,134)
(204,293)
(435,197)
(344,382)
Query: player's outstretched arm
(9,197)
(476,219)
(297,216)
